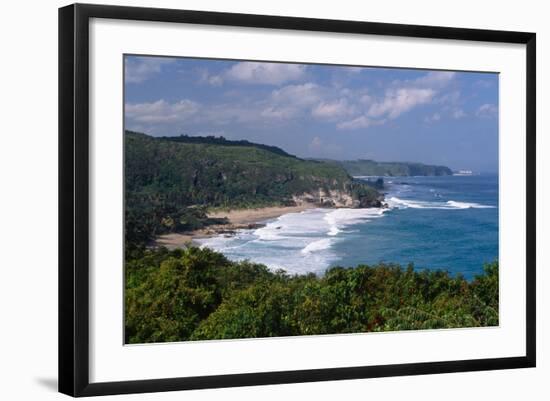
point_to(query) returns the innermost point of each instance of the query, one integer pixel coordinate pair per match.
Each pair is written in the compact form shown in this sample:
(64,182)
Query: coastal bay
(459,213)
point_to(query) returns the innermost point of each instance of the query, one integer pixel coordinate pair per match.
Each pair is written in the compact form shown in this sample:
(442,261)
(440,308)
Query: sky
(320,111)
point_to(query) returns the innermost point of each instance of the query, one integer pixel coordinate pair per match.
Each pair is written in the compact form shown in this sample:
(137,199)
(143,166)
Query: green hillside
(170,182)
(392,169)
(220,140)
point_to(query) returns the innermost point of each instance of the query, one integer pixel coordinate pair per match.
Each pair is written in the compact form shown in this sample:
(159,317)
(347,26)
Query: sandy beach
(249,216)
(238,219)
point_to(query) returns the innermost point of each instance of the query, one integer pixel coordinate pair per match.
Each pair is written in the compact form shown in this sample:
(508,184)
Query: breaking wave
(449,205)
(298,242)
(318,245)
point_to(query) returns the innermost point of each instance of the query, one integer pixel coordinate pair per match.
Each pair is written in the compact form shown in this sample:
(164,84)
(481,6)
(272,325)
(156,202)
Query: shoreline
(238,219)
(257,215)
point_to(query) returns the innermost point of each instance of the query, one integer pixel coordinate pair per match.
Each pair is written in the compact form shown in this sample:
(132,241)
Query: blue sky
(345,113)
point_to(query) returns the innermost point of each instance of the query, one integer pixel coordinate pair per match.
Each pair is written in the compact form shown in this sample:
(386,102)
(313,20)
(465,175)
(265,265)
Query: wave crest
(315,246)
(398,203)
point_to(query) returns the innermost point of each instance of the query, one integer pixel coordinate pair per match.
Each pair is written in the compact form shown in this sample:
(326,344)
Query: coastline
(238,219)
(254,216)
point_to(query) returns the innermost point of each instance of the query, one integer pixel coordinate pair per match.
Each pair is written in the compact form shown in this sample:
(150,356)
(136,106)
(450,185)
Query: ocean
(448,223)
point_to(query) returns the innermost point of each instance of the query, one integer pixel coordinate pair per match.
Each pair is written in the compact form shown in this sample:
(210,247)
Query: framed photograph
(250,199)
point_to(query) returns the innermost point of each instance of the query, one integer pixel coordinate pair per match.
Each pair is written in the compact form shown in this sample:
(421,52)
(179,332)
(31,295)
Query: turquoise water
(448,223)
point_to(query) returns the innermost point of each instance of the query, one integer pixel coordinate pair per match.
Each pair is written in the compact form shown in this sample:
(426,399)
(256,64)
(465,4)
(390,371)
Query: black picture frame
(74,198)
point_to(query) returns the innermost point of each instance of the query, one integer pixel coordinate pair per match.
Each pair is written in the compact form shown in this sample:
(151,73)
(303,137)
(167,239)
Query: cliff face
(339,198)
(326,198)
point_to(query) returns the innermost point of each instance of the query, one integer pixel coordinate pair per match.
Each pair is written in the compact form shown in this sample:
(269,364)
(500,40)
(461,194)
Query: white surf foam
(398,203)
(468,205)
(307,223)
(298,242)
(341,218)
(315,246)
(334,231)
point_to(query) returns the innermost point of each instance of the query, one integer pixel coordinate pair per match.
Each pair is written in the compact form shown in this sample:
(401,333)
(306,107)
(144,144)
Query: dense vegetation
(197,294)
(373,168)
(170,182)
(220,140)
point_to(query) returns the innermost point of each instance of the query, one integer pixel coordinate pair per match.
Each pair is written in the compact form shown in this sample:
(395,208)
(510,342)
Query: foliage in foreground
(198,294)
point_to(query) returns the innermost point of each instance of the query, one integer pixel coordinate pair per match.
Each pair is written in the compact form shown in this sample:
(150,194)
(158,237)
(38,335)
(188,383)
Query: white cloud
(357,108)
(435,79)
(320,102)
(458,113)
(265,73)
(303,94)
(159,112)
(487,110)
(433,118)
(215,80)
(279,106)
(140,69)
(399,101)
(291,101)
(399,98)
(333,109)
(366,99)
(452,103)
(447,98)
(356,123)
(205,77)
(347,108)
